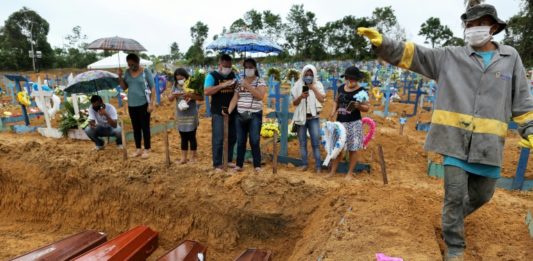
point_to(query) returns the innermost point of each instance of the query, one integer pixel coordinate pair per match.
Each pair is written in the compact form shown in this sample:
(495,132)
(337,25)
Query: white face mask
(249,72)
(225,71)
(181,82)
(478,36)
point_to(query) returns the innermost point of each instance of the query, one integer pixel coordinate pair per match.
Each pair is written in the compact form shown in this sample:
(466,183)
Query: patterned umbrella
(92,81)
(116,44)
(245,42)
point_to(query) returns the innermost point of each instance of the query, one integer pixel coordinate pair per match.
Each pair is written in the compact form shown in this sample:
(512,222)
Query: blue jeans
(251,128)
(464,193)
(103,131)
(313,125)
(217,138)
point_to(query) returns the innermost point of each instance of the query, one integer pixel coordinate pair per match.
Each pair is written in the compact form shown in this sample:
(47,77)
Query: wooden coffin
(66,248)
(137,244)
(253,254)
(187,250)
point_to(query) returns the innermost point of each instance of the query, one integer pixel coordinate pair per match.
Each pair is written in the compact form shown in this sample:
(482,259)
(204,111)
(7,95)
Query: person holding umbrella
(140,84)
(485,86)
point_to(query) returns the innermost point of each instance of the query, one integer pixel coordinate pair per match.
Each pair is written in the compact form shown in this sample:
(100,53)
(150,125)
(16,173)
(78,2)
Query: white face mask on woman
(249,72)
(181,82)
(478,36)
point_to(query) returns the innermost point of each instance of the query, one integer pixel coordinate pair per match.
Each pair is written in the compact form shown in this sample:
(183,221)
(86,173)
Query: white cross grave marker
(44,97)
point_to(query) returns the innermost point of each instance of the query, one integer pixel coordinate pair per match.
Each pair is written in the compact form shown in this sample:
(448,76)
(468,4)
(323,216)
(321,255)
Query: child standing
(186,115)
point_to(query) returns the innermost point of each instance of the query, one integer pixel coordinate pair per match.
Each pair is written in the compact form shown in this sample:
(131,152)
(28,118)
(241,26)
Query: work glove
(372,34)
(526,143)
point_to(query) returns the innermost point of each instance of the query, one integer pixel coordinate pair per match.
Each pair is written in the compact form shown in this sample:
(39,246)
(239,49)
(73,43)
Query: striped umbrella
(116,44)
(245,42)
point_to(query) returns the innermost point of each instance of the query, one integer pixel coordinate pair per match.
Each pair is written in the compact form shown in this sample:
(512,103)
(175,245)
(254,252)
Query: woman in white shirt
(307,95)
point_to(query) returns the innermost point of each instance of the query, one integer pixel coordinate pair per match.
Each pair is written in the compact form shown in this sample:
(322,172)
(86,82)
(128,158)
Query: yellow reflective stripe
(490,126)
(524,118)
(408,54)
(452,119)
(470,123)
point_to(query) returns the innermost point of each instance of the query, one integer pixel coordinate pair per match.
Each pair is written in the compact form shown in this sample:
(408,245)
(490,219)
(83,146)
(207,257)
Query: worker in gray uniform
(483,87)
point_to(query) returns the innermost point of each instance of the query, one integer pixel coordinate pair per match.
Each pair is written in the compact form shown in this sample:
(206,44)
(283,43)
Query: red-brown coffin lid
(66,248)
(137,244)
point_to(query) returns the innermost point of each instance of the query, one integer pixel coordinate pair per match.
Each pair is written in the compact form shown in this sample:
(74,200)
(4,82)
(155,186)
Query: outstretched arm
(407,55)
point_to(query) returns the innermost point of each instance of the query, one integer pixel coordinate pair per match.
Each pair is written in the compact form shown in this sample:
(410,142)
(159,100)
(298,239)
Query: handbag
(295,128)
(147,91)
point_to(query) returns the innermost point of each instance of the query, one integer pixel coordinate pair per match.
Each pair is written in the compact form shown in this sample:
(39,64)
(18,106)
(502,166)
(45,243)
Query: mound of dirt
(53,188)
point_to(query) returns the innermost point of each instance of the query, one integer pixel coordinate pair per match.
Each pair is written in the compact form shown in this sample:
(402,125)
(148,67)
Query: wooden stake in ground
(123,135)
(225,147)
(275,154)
(382,163)
(167,150)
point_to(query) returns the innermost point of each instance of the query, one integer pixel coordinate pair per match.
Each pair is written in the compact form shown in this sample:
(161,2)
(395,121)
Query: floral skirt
(354,135)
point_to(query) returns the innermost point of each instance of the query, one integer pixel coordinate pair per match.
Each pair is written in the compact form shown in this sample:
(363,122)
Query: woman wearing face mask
(483,85)
(348,110)
(141,97)
(186,114)
(248,99)
(307,95)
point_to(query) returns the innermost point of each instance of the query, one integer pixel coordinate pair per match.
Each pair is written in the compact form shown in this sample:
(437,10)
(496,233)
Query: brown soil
(53,188)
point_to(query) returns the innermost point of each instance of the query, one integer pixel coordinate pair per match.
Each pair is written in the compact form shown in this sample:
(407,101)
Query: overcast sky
(158,23)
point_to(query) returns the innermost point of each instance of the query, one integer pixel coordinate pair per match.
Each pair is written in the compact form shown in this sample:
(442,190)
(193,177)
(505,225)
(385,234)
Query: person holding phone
(186,114)
(141,97)
(103,123)
(220,85)
(347,110)
(307,96)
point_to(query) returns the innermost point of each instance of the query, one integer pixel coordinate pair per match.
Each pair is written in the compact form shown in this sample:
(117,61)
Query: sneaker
(231,165)
(302,168)
(120,147)
(97,148)
(219,169)
(137,153)
(454,258)
(258,170)
(237,169)
(145,155)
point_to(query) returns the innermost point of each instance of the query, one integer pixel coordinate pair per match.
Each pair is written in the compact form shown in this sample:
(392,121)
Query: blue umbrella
(245,42)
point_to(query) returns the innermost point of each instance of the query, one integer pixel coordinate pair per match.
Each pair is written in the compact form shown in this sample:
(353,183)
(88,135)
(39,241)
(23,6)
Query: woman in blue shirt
(139,82)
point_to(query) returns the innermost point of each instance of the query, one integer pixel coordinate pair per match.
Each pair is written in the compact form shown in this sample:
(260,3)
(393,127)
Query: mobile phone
(225,109)
(352,106)
(305,88)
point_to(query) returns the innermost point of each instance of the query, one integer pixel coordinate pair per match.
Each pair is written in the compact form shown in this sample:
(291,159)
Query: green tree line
(299,34)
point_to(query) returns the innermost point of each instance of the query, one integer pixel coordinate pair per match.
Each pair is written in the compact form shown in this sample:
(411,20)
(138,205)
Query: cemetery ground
(54,188)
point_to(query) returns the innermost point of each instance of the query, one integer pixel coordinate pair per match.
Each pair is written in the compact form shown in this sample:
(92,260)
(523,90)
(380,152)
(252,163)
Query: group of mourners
(240,97)
(483,85)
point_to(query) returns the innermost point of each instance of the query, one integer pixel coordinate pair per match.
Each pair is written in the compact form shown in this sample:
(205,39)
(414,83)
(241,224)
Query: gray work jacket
(474,104)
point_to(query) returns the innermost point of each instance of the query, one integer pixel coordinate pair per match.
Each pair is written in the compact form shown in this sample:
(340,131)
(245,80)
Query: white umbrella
(114,61)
